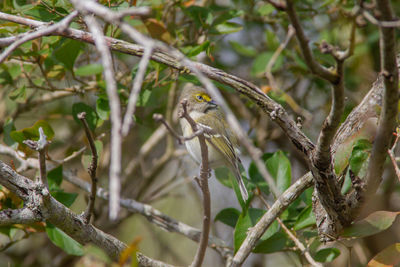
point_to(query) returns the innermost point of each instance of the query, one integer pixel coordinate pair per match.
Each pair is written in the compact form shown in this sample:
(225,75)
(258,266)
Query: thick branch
(273,109)
(20,216)
(287,197)
(387,121)
(39,200)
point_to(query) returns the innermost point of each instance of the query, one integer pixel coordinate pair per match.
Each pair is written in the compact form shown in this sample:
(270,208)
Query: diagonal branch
(273,109)
(38,199)
(42,30)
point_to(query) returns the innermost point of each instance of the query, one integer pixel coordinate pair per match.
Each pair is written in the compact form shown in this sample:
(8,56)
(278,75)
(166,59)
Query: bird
(220,139)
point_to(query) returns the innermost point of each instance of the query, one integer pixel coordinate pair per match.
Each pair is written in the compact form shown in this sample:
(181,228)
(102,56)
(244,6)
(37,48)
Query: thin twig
(43,31)
(137,84)
(115,112)
(296,241)
(284,200)
(40,146)
(181,139)
(92,168)
(203,183)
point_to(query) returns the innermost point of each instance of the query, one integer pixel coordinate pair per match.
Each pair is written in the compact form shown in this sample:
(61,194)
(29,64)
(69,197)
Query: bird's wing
(218,137)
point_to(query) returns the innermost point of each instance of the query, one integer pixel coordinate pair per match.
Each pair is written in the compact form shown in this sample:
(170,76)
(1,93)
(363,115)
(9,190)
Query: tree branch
(38,199)
(92,168)
(273,109)
(203,183)
(42,30)
(387,120)
(19,216)
(115,109)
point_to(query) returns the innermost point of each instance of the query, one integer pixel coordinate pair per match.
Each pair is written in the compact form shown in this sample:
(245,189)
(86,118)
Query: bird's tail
(243,190)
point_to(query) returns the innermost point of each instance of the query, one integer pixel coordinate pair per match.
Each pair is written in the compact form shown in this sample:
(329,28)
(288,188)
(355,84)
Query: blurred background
(51,79)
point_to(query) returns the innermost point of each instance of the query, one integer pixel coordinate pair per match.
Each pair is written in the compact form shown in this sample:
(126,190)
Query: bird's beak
(213,103)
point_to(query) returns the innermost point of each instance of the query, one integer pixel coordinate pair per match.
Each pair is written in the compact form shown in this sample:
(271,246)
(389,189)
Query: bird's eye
(199,97)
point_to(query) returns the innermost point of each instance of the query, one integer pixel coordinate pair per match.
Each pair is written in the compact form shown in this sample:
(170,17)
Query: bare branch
(284,200)
(203,183)
(155,216)
(314,66)
(37,198)
(40,146)
(20,216)
(45,30)
(137,84)
(295,240)
(387,120)
(273,109)
(115,112)
(145,261)
(181,139)
(92,168)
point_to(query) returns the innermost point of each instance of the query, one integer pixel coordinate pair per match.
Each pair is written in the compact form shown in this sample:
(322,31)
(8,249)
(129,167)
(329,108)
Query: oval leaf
(390,256)
(63,241)
(228,216)
(306,218)
(375,223)
(326,254)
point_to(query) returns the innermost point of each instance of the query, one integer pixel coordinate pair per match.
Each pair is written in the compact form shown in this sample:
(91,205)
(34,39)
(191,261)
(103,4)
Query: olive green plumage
(220,139)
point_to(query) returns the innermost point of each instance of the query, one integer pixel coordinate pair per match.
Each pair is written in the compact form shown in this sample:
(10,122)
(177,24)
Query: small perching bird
(220,139)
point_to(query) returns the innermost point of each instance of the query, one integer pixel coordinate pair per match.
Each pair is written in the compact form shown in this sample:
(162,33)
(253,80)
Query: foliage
(239,37)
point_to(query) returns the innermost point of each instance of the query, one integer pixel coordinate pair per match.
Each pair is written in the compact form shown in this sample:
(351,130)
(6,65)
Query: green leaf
(359,156)
(32,133)
(257,179)
(374,223)
(306,218)
(246,220)
(91,115)
(55,177)
(227,15)
(144,97)
(18,94)
(260,63)
(265,9)
(41,13)
(390,256)
(228,216)
(63,241)
(8,128)
(66,51)
(243,50)
(65,198)
(222,175)
(88,70)
(279,167)
(326,254)
(102,108)
(201,16)
(226,28)
(273,244)
(194,51)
